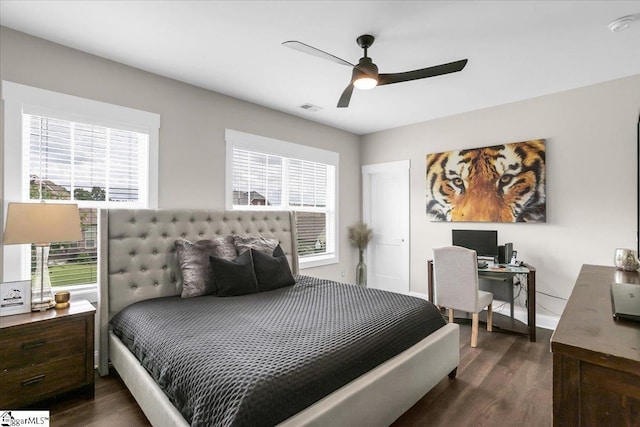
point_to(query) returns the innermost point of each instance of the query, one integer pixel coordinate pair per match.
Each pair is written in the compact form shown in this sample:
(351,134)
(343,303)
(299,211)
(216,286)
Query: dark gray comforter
(256,360)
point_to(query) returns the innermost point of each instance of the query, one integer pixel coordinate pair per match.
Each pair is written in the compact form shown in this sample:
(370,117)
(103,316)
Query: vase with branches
(360,235)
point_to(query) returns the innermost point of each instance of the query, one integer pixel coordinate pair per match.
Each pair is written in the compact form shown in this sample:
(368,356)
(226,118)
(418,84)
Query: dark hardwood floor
(505,381)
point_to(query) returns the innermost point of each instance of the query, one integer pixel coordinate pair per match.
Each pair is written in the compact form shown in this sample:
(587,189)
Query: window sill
(88,292)
(317,261)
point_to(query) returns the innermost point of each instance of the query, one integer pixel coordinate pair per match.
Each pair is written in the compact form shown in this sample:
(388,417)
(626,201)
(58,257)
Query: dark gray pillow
(272,271)
(194,263)
(277,252)
(235,277)
(262,244)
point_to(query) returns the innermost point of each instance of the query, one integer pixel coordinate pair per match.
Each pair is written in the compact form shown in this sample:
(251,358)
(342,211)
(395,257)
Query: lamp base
(41,294)
(42,305)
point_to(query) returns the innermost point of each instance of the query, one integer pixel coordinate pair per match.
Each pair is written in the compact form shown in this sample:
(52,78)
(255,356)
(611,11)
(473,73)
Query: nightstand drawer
(45,354)
(28,345)
(28,384)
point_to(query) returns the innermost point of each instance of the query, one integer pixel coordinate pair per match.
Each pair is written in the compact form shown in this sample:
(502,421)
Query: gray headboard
(137,258)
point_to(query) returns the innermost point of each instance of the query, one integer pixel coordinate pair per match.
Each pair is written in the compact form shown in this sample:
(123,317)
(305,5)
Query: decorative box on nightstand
(43,354)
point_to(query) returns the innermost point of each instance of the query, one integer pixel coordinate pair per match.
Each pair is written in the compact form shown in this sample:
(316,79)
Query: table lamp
(41,224)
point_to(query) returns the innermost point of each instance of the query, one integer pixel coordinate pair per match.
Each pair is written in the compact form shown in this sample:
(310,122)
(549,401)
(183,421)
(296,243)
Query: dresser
(46,353)
(596,360)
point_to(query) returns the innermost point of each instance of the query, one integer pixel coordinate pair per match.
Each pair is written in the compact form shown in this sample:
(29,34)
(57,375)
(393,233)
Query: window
(93,166)
(264,173)
(73,150)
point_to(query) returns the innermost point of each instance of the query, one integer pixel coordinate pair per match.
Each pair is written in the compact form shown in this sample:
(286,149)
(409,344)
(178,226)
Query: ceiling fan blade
(438,70)
(302,47)
(346,97)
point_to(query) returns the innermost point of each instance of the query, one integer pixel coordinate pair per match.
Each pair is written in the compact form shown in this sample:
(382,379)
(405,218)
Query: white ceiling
(516,49)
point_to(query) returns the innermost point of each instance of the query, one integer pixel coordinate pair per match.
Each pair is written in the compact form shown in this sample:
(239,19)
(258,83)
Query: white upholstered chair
(456,279)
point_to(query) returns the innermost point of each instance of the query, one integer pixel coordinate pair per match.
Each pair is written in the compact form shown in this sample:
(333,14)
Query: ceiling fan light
(365,83)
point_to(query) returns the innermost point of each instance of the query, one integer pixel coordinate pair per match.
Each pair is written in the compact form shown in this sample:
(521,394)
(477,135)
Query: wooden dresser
(596,360)
(43,354)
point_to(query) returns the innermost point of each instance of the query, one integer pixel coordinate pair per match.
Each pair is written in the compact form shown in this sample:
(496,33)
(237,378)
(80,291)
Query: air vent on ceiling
(622,23)
(310,107)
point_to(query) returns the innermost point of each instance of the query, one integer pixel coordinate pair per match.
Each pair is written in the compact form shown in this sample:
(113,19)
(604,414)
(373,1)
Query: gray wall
(591,155)
(591,178)
(193,121)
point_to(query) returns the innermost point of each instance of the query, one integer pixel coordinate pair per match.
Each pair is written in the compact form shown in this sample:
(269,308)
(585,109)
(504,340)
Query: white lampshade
(42,223)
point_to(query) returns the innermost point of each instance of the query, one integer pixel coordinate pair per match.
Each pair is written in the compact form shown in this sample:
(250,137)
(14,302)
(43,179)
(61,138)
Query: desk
(510,270)
(596,360)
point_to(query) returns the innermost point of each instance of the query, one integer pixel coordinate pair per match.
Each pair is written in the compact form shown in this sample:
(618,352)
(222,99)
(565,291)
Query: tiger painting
(502,183)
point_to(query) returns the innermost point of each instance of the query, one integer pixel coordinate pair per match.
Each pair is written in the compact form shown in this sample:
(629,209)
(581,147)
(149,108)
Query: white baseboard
(520,313)
(419,295)
(542,320)
(547,322)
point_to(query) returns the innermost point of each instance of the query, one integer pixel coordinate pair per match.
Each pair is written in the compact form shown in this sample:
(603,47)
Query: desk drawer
(28,345)
(32,383)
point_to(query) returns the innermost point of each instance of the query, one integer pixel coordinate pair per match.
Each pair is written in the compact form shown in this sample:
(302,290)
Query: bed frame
(138,261)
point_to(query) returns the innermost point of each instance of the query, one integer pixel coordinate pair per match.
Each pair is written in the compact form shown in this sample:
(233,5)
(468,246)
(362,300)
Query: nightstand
(46,353)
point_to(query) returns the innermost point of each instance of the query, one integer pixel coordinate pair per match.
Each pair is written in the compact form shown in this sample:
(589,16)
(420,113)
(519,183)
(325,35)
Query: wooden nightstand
(43,354)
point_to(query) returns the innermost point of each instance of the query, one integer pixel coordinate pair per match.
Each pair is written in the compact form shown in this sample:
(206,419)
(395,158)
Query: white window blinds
(267,181)
(93,166)
(83,162)
(257,179)
(308,194)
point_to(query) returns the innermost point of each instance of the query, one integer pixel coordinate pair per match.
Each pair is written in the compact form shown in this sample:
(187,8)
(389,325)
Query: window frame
(271,146)
(19,99)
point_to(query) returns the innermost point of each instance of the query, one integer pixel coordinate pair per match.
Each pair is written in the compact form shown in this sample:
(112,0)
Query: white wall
(192,129)
(591,179)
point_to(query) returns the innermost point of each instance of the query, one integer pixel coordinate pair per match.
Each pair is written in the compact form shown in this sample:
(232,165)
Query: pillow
(278,252)
(194,263)
(235,277)
(272,272)
(244,243)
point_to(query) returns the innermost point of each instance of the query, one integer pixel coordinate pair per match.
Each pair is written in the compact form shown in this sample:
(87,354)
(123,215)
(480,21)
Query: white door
(385,189)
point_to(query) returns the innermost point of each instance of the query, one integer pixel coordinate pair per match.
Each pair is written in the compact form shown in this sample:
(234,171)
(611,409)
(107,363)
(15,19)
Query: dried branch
(360,235)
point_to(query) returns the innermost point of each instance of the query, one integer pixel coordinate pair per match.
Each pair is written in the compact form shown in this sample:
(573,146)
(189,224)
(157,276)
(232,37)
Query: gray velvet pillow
(260,244)
(194,263)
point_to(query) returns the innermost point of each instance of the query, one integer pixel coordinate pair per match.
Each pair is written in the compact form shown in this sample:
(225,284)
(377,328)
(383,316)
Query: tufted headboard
(137,257)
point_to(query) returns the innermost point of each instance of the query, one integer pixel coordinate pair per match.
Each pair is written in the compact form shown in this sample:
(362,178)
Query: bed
(138,265)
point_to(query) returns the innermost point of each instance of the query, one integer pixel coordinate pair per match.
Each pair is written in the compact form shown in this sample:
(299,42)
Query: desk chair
(456,280)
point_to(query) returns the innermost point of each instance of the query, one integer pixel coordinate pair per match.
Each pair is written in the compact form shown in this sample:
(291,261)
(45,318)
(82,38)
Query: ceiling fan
(365,75)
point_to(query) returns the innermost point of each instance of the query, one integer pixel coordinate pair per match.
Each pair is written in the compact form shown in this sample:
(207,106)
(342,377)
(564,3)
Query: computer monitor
(484,242)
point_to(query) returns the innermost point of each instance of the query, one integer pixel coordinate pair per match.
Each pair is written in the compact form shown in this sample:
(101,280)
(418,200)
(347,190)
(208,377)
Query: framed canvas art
(501,183)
